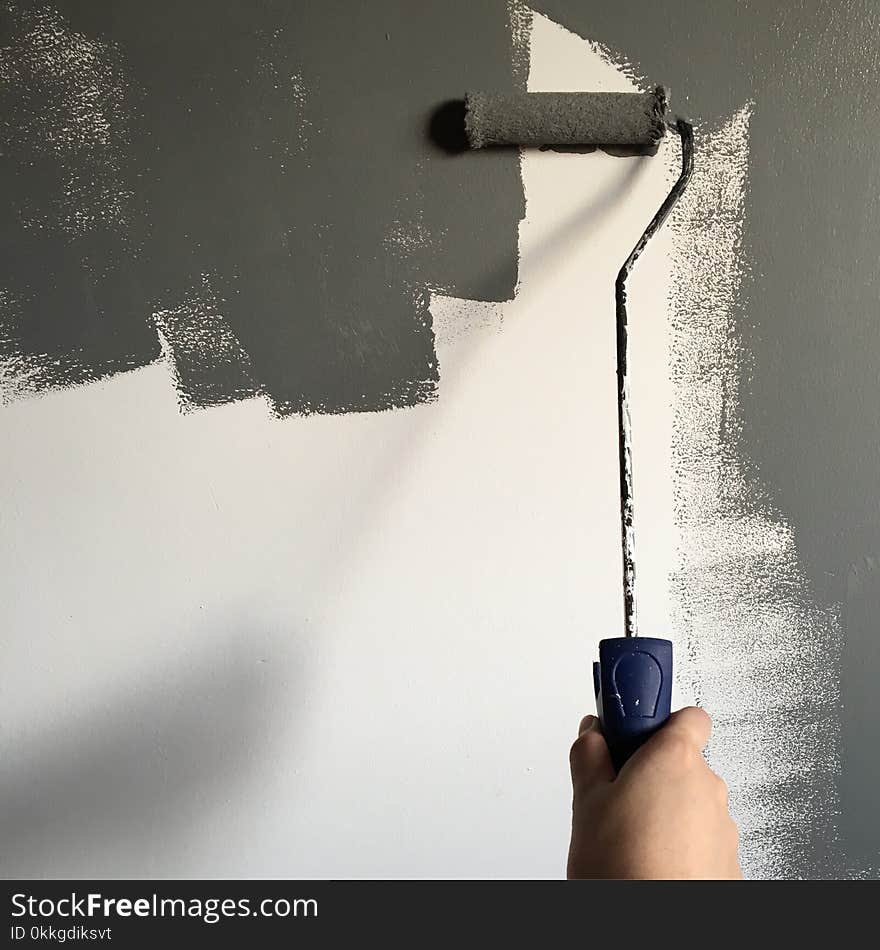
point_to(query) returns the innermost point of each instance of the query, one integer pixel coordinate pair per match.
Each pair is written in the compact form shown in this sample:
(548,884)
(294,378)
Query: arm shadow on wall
(117,791)
(380,483)
(445,131)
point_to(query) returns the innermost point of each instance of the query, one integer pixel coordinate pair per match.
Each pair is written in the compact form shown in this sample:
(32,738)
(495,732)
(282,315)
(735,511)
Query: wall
(806,381)
(257,632)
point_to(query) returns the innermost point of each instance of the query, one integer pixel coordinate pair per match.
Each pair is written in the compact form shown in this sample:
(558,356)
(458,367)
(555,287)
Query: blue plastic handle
(633,683)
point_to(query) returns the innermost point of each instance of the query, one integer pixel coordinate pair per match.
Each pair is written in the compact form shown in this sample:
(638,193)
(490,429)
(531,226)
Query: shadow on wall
(446,130)
(379,483)
(113,792)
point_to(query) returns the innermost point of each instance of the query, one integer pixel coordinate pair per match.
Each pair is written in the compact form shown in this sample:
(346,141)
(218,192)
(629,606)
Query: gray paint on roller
(251,185)
(810,396)
(564,118)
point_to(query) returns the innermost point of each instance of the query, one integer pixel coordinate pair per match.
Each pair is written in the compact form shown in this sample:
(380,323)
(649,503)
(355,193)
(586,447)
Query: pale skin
(665,816)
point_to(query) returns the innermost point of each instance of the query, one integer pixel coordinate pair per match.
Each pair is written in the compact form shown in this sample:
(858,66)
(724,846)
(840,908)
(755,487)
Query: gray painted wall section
(810,314)
(275,170)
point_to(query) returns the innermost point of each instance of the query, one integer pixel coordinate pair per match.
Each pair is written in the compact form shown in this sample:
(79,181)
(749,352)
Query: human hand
(664,816)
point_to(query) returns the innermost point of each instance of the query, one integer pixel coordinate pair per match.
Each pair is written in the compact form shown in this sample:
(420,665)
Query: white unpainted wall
(353,645)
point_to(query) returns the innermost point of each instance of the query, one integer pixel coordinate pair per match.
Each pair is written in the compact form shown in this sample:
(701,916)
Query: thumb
(691,723)
(589,758)
(686,732)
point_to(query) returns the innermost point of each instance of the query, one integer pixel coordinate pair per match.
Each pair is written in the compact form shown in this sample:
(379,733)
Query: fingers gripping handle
(633,683)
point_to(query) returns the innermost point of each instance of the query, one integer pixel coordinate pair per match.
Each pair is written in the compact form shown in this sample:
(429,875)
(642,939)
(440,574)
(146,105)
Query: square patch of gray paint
(280,148)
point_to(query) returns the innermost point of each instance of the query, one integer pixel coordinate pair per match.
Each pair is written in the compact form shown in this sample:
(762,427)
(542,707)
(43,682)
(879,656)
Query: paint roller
(633,676)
